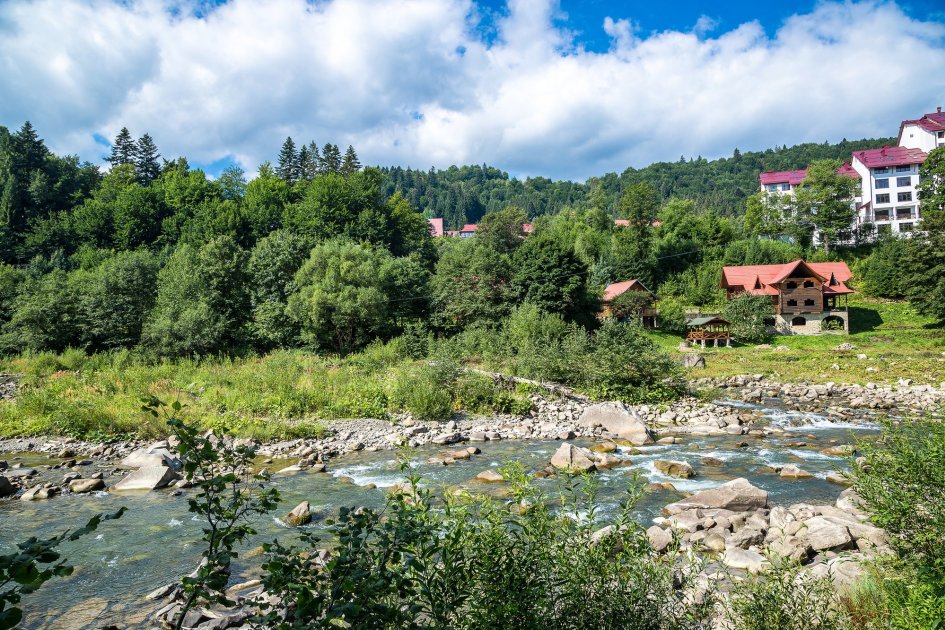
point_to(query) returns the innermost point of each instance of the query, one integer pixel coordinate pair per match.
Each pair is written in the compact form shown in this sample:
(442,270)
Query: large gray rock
(572,458)
(822,534)
(81,486)
(147,478)
(693,360)
(659,538)
(618,419)
(738,558)
(301,515)
(150,456)
(792,471)
(737,495)
(6,488)
(683,470)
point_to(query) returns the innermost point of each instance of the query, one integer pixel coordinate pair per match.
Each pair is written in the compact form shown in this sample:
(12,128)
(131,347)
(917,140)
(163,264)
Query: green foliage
(502,230)
(747,314)
(885,272)
(33,564)
(227,499)
(671,315)
(471,285)
(472,563)
(549,275)
(926,259)
(272,266)
(824,199)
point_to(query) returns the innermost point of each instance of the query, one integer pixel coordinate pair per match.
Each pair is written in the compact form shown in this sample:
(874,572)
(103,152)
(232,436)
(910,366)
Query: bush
(425,392)
(747,314)
(884,272)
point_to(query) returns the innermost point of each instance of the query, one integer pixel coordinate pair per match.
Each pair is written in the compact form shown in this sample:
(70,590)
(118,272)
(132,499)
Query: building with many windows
(924,133)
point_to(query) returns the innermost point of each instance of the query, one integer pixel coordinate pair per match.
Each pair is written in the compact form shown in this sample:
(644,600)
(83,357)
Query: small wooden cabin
(612,293)
(709,328)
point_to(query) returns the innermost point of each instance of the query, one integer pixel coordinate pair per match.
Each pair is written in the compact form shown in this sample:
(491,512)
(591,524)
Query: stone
(81,486)
(693,360)
(745,538)
(738,558)
(822,534)
(150,457)
(6,488)
(837,478)
(572,458)
(712,461)
(604,447)
(849,501)
(147,478)
(659,538)
(714,542)
(793,472)
(737,495)
(447,438)
(682,470)
(618,419)
(300,515)
(489,476)
(690,521)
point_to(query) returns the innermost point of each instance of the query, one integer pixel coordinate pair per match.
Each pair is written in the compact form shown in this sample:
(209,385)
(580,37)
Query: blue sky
(536,87)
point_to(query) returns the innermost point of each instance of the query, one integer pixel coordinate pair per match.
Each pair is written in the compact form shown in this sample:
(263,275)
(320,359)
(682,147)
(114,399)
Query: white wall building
(925,133)
(888,179)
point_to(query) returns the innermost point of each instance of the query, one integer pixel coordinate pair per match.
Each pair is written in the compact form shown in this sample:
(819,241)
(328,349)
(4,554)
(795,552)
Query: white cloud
(409,81)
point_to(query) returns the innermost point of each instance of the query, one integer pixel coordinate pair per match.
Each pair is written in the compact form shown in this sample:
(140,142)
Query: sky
(565,90)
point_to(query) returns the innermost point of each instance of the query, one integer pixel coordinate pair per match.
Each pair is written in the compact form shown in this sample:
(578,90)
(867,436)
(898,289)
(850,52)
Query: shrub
(626,364)
(747,314)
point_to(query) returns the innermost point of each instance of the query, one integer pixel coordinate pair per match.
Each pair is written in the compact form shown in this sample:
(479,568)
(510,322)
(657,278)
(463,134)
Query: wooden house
(808,298)
(612,307)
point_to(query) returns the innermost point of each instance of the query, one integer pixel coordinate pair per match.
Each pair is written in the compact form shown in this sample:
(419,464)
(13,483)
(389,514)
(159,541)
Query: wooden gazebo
(711,328)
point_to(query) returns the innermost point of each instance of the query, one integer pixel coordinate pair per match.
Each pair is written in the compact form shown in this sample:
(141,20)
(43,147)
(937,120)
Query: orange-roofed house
(808,298)
(613,291)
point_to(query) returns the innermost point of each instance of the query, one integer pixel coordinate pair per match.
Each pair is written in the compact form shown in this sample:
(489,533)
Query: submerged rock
(573,459)
(300,515)
(147,478)
(684,470)
(81,486)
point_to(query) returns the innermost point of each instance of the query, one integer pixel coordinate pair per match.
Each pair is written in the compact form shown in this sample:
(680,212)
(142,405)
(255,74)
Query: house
(924,133)
(808,298)
(468,230)
(647,314)
(709,328)
(889,177)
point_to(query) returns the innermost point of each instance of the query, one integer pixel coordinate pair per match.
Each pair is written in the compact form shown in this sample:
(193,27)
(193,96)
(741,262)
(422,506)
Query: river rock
(490,476)
(150,456)
(573,459)
(822,534)
(81,486)
(659,538)
(843,450)
(37,493)
(738,558)
(737,495)
(6,488)
(300,515)
(147,478)
(618,419)
(683,470)
(712,461)
(793,472)
(693,360)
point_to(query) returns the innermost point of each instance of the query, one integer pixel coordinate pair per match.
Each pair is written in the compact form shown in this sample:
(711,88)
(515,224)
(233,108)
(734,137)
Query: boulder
(81,486)
(793,472)
(6,488)
(822,534)
(714,542)
(618,419)
(659,538)
(39,492)
(300,515)
(843,450)
(675,469)
(751,561)
(572,458)
(737,495)
(693,360)
(150,456)
(712,461)
(147,478)
(489,476)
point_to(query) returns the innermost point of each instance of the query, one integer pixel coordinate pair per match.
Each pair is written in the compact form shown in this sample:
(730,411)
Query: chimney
(939,109)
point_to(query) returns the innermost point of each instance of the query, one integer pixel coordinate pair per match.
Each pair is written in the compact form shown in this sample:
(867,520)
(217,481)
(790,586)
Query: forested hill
(464,194)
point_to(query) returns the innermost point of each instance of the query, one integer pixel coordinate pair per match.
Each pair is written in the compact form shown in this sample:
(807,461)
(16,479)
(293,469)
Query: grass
(898,343)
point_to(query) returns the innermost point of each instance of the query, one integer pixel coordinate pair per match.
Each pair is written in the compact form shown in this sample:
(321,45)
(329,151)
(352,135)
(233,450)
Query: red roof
(469,227)
(848,170)
(762,279)
(783,177)
(890,156)
(619,288)
(436,227)
(933,122)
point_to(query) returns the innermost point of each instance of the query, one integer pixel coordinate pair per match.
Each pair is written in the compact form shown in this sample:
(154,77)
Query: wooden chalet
(647,314)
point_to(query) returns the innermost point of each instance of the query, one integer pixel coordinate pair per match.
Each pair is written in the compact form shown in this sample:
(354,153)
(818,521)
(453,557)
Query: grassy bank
(898,343)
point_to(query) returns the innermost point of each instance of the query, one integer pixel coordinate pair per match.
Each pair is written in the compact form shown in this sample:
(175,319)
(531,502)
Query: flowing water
(155,542)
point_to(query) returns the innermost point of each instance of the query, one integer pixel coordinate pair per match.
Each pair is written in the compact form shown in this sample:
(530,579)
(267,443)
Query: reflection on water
(155,542)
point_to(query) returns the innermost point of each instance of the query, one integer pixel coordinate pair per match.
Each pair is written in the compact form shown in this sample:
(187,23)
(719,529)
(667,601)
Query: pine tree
(123,149)
(331,159)
(308,161)
(288,168)
(146,159)
(351,164)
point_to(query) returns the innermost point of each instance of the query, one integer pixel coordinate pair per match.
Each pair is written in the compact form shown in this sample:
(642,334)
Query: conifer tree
(288,168)
(331,159)
(123,149)
(351,164)
(311,164)
(146,159)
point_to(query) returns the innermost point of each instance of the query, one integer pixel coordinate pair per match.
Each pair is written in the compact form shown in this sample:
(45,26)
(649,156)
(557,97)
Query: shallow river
(154,543)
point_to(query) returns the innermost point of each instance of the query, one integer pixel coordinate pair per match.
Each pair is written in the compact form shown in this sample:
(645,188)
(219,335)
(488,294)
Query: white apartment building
(888,179)
(925,133)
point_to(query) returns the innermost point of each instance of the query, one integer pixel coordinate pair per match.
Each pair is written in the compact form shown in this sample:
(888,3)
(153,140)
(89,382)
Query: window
(880,170)
(941,134)
(792,302)
(792,285)
(903,169)
(808,284)
(798,321)
(903,181)
(785,187)
(903,214)
(808,302)
(905,227)
(882,183)
(772,188)
(904,196)
(883,198)
(881,215)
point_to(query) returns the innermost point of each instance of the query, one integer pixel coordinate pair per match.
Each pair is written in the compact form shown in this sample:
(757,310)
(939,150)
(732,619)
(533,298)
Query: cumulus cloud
(413,82)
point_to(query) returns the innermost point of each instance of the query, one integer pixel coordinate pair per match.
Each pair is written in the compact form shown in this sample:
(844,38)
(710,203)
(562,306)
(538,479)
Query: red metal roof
(849,171)
(436,227)
(761,279)
(469,227)
(619,288)
(933,122)
(890,156)
(783,177)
